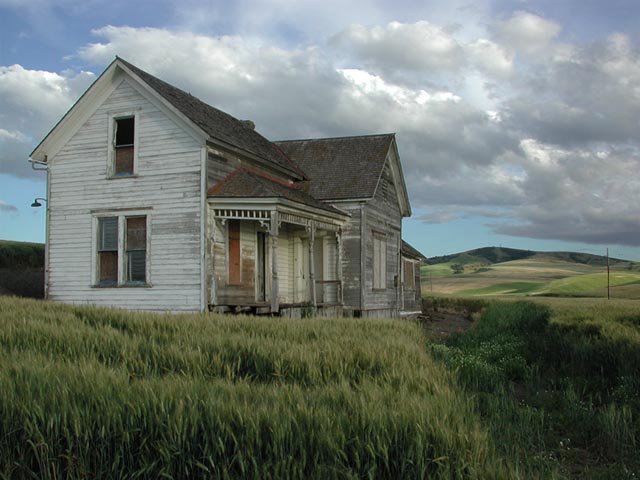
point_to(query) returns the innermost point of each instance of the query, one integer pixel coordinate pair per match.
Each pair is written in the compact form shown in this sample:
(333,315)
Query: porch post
(339,266)
(273,236)
(312,273)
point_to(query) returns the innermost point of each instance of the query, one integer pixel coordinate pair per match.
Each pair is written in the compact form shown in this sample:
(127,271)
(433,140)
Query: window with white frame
(122,250)
(379,260)
(124,148)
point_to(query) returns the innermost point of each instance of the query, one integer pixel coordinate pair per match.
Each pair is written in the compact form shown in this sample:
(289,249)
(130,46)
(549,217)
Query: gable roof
(246,183)
(410,252)
(341,168)
(203,118)
(216,123)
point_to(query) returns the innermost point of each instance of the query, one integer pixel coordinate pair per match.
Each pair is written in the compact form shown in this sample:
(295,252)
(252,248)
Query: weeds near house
(558,386)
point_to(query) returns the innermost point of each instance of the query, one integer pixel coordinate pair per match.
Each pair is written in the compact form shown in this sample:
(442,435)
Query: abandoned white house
(158,201)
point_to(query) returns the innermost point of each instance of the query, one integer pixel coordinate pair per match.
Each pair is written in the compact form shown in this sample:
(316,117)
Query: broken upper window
(124,133)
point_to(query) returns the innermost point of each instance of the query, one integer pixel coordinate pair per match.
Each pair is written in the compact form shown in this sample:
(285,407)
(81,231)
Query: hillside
(21,269)
(491,255)
(500,271)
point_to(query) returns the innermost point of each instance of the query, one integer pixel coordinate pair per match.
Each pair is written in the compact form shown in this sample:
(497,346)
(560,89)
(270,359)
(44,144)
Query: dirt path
(439,324)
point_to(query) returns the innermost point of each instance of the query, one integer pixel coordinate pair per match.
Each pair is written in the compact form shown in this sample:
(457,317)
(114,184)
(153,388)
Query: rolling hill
(507,271)
(21,269)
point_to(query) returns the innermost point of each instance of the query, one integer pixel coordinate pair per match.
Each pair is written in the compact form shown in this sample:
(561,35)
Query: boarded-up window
(136,248)
(108,251)
(234,251)
(124,146)
(409,275)
(379,260)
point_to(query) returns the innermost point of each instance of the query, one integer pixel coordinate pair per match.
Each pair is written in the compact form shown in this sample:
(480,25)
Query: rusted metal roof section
(410,252)
(340,168)
(246,183)
(218,124)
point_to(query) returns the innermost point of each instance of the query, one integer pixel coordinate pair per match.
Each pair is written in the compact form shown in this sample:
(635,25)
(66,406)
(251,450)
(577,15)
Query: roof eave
(252,156)
(268,201)
(39,153)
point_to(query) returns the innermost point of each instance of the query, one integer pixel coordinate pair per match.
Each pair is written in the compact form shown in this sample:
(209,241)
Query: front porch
(274,257)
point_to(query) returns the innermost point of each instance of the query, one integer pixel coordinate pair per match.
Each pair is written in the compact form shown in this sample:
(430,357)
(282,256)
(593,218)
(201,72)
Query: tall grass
(558,385)
(87,392)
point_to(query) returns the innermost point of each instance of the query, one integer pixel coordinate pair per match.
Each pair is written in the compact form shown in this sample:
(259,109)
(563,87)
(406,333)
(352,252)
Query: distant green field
(538,275)
(594,284)
(504,289)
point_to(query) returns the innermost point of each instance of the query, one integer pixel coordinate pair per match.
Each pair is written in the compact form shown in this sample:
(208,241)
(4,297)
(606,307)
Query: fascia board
(253,157)
(78,114)
(268,203)
(167,108)
(398,179)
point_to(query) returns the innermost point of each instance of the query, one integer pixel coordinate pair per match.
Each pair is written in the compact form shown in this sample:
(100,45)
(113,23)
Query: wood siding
(351,248)
(167,186)
(383,217)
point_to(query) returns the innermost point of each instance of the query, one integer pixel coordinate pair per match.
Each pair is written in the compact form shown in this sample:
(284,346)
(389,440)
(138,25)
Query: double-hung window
(122,256)
(379,261)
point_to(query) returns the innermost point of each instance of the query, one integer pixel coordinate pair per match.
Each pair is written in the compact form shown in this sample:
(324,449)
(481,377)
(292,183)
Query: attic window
(124,146)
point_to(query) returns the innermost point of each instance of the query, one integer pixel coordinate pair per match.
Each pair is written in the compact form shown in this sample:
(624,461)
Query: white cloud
(479,133)
(31,102)
(527,33)
(490,58)
(416,46)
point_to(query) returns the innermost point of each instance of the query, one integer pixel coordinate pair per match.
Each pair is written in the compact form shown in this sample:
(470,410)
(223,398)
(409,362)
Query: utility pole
(608,283)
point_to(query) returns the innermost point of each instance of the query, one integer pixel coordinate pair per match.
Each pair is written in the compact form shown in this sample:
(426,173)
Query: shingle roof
(218,124)
(244,182)
(340,168)
(409,251)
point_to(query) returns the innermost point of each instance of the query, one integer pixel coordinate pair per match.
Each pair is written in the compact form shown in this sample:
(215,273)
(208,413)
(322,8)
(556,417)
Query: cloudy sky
(518,121)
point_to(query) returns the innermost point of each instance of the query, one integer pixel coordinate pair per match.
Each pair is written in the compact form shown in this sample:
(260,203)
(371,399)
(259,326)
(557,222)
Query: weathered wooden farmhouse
(158,201)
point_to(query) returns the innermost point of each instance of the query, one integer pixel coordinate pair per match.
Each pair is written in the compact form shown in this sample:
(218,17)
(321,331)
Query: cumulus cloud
(547,159)
(527,33)
(593,96)
(490,58)
(31,102)
(417,46)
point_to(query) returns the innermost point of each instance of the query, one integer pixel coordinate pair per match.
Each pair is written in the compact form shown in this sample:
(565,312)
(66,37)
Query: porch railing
(328,292)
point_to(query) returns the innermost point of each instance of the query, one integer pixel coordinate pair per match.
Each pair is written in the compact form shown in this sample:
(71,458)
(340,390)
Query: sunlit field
(532,276)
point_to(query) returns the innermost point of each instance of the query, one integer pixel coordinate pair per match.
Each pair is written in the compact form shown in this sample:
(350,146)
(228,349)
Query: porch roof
(246,183)
(410,252)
